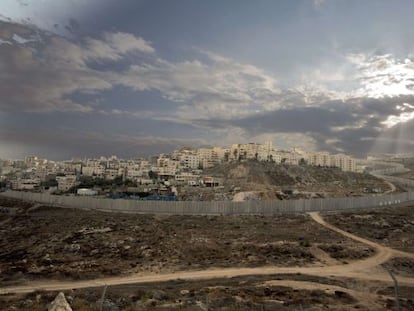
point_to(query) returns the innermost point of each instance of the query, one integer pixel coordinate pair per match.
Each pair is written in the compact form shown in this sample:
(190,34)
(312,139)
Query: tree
(118,181)
(130,183)
(235,153)
(226,157)
(86,182)
(153,175)
(48,183)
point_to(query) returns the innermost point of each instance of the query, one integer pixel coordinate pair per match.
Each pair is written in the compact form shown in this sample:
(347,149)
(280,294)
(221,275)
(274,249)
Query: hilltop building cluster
(184,166)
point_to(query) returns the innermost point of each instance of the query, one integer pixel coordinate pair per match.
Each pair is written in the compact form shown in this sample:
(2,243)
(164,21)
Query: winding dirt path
(366,269)
(392,186)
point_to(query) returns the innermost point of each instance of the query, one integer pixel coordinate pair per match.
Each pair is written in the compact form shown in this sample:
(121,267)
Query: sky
(84,78)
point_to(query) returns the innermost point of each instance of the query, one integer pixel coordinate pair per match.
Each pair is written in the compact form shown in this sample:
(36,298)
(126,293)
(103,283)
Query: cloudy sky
(138,77)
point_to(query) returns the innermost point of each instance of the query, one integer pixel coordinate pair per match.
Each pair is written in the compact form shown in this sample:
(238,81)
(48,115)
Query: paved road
(366,269)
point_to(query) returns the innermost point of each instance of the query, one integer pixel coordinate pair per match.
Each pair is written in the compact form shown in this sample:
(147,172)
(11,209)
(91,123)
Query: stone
(184,292)
(59,304)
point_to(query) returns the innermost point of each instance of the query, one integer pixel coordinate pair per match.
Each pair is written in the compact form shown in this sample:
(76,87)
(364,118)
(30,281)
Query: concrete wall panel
(214,208)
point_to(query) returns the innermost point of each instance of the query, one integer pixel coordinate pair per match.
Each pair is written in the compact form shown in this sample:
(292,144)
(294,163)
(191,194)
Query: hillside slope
(270,180)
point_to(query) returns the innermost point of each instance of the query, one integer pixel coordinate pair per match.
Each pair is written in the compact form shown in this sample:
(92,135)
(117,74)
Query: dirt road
(367,269)
(392,187)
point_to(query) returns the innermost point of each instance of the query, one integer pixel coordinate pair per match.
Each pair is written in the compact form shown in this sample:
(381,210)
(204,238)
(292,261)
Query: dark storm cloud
(60,134)
(61,143)
(352,126)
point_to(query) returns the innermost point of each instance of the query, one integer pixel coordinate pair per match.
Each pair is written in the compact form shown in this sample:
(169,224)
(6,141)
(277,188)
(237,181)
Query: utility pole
(396,290)
(103,297)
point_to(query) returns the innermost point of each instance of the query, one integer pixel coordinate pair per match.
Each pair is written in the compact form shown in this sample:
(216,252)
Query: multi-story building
(321,159)
(26,183)
(207,157)
(98,170)
(65,183)
(188,178)
(342,161)
(112,173)
(345,163)
(191,161)
(260,152)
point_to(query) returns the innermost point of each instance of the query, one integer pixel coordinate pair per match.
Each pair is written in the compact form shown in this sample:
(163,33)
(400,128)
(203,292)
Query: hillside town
(156,177)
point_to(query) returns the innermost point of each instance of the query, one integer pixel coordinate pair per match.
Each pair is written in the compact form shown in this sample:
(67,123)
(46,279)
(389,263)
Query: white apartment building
(98,170)
(66,182)
(113,164)
(345,163)
(221,153)
(134,172)
(112,173)
(321,159)
(257,151)
(276,156)
(167,171)
(342,161)
(72,167)
(190,161)
(207,157)
(188,178)
(137,169)
(26,184)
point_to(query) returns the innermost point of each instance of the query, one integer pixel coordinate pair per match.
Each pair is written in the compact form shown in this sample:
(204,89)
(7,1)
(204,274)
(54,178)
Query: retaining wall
(215,207)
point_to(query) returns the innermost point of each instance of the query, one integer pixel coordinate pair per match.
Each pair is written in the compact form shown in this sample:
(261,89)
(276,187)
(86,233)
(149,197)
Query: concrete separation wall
(400,181)
(391,170)
(215,207)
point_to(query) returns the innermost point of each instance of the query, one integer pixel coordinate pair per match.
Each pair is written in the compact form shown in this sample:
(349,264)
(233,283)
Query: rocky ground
(38,243)
(275,292)
(401,266)
(67,243)
(392,227)
(59,243)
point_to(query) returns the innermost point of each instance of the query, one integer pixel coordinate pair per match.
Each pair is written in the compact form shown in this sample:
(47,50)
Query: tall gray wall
(214,208)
